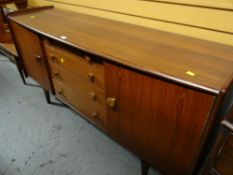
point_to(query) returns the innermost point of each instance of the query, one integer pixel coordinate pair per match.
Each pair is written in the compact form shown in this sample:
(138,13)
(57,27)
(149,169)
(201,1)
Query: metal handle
(111,102)
(95,115)
(38,58)
(91,77)
(60,91)
(54,59)
(227,125)
(93,95)
(56,74)
(88,59)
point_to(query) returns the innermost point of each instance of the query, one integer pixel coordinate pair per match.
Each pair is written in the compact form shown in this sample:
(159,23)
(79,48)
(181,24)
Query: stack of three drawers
(78,80)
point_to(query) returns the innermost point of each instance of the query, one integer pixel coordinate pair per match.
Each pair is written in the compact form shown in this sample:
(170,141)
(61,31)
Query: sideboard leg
(22,76)
(48,99)
(47,96)
(145,167)
(25,74)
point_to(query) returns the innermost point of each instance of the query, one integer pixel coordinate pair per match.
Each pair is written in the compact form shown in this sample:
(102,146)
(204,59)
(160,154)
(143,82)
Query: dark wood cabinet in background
(156,93)
(220,159)
(224,162)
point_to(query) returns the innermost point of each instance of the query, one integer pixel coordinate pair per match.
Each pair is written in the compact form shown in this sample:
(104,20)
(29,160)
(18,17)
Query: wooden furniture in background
(224,160)
(156,93)
(220,160)
(20,4)
(5,35)
(7,46)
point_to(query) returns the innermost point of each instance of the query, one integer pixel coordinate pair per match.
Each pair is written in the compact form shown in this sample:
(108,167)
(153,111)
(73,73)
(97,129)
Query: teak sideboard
(162,96)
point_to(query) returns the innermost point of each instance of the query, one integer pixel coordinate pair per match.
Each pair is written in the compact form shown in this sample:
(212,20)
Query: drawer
(81,99)
(73,82)
(87,67)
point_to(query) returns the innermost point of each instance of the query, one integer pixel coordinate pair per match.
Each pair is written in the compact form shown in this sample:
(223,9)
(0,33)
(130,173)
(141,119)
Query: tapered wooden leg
(47,96)
(145,167)
(25,74)
(22,76)
(48,99)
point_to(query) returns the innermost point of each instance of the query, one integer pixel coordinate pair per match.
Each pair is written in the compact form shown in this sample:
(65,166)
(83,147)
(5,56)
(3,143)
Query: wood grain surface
(76,62)
(30,51)
(163,54)
(161,122)
(79,98)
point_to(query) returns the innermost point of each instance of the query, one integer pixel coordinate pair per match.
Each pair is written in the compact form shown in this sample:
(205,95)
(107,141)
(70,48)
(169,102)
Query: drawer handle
(50,43)
(93,95)
(97,118)
(60,91)
(91,77)
(56,74)
(54,59)
(38,58)
(88,59)
(227,125)
(95,115)
(111,102)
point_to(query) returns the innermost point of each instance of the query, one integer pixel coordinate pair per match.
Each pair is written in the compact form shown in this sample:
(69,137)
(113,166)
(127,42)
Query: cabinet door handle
(111,102)
(227,125)
(38,58)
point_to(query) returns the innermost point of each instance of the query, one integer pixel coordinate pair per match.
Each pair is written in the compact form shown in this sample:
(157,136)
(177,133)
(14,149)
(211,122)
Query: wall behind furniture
(205,19)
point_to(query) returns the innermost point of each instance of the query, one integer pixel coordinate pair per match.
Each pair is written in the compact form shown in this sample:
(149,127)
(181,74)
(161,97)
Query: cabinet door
(161,122)
(31,55)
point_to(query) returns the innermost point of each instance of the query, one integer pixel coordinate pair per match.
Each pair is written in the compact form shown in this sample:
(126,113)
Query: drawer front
(74,82)
(81,98)
(82,65)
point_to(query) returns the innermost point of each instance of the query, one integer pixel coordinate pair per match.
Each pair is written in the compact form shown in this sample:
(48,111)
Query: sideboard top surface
(193,62)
